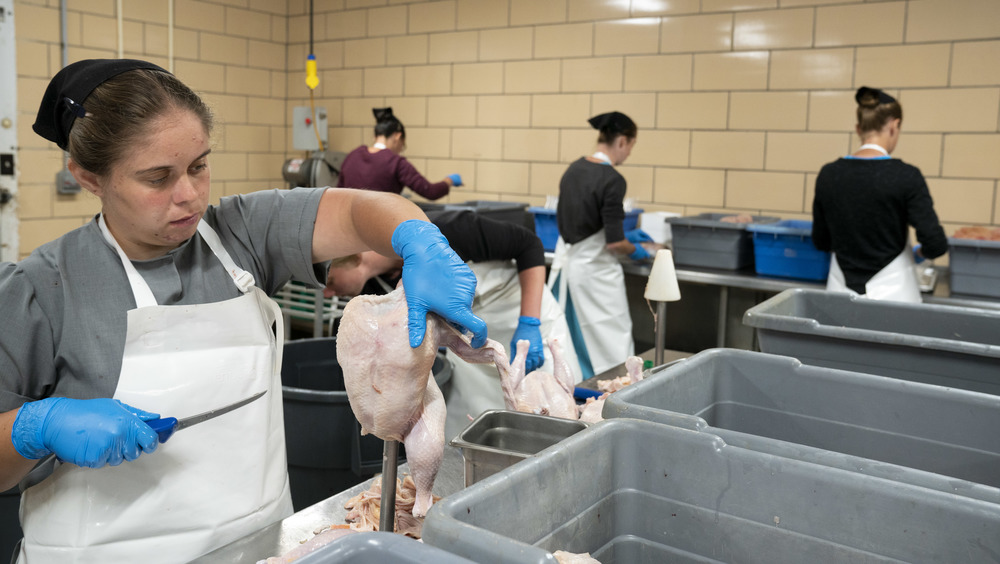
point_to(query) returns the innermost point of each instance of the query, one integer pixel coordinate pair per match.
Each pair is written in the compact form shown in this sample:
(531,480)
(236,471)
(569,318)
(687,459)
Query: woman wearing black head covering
(864,205)
(586,275)
(382,167)
(160,305)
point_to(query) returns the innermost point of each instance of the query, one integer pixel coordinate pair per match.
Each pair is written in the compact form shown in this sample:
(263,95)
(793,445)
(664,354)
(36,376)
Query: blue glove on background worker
(528,330)
(918,257)
(92,433)
(636,237)
(456,179)
(435,280)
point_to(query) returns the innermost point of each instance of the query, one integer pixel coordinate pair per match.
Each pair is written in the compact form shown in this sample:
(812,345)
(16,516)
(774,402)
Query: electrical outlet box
(66,183)
(304,130)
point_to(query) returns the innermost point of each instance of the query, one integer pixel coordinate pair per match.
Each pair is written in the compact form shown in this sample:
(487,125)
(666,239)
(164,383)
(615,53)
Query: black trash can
(326,452)
(10,524)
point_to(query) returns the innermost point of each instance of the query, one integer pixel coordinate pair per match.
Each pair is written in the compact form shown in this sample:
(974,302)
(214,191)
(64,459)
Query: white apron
(475,388)
(209,484)
(897,281)
(594,279)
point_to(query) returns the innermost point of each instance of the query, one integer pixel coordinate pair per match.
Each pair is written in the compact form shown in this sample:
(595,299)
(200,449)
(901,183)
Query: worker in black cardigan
(864,205)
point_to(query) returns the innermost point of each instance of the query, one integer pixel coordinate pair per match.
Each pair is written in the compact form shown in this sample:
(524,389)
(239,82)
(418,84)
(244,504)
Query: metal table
(748,279)
(280,537)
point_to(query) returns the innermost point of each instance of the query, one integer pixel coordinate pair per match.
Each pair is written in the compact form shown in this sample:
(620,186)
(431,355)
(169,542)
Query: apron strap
(243,279)
(143,295)
(140,289)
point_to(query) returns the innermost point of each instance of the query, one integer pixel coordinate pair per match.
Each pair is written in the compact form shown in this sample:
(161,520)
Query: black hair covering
(63,100)
(612,122)
(865,91)
(383,114)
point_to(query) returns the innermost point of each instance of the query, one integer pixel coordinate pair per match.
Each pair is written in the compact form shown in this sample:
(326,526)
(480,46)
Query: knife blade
(165,427)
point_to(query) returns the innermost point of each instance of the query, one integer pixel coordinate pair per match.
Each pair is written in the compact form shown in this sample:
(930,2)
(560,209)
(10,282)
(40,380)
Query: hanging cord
(312,80)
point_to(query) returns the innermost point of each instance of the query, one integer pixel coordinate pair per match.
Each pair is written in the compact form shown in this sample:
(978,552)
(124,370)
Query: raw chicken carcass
(540,392)
(365,510)
(389,384)
(591,411)
(633,374)
(563,557)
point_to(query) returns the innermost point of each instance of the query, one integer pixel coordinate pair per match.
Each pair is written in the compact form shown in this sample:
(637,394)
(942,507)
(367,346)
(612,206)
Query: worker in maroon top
(382,168)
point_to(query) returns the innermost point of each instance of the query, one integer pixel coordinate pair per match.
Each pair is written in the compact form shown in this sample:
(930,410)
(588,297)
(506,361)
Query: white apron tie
(897,281)
(208,485)
(595,281)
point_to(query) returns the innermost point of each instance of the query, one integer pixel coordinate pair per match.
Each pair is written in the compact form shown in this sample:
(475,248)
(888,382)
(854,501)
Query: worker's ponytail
(386,124)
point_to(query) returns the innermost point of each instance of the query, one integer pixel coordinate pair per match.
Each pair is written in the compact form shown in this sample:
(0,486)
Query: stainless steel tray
(499,438)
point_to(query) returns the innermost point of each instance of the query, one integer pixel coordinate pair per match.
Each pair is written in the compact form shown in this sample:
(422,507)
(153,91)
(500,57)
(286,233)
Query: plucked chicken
(389,384)
(540,392)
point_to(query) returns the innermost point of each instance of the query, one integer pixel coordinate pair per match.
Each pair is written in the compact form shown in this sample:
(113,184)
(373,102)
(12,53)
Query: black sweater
(476,238)
(590,198)
(861,211)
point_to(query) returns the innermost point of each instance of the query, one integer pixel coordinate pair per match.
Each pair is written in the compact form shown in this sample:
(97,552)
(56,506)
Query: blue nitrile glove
(435,279)
(637,236)
(917,257)
(456,179)
(528,330)
(91,433)
(640,253)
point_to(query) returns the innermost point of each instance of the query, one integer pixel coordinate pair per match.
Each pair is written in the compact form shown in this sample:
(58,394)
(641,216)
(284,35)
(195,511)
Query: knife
(166,426)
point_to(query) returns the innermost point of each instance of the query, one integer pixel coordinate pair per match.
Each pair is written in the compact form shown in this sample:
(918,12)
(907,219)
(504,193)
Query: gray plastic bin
(704,240)
(380,548)
(945,345)
(640,492)
(974,267)
(498,438)
(778,405)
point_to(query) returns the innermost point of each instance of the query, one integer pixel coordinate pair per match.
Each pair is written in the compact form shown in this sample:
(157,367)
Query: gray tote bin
(380,548)
(945,345)
(640,492)
(705,240)
(974,267)
(862,422)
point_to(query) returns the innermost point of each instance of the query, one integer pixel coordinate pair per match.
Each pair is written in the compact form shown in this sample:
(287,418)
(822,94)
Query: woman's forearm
(350,221)
(532,282)
(13,466)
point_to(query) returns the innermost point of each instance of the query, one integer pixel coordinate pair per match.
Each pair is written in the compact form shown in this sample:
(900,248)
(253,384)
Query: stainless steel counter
(285,535)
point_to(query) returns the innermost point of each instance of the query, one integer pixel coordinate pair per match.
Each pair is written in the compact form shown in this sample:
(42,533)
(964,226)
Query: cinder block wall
(739,102)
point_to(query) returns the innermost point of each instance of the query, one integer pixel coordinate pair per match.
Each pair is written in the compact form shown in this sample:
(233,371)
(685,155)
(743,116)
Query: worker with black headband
(159,306)
(382,166)
(864,205)
(586,274)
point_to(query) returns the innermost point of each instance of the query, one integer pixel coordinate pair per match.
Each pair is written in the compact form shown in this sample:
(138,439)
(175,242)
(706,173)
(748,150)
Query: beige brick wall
(739,102)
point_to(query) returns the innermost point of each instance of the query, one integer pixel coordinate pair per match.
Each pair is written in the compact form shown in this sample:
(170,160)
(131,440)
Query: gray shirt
(63,309)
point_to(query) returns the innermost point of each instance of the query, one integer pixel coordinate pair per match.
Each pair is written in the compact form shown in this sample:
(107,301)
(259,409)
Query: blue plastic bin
(785,249)
(547,228)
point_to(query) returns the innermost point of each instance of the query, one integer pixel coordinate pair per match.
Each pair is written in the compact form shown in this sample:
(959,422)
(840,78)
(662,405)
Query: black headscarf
(612,122)
(63,100)
(865,91)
